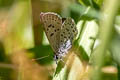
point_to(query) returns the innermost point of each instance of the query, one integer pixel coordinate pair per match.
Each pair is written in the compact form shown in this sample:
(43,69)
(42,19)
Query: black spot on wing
(69,37)
(71,26)
(58,22)
(67,29)
(69,23)
(45,21)
(52,18)
(55,30)
(69,33)
(73,30)
(61,34)
(63,19)
(50,25)
(51,34)
(58,29)
(65,37)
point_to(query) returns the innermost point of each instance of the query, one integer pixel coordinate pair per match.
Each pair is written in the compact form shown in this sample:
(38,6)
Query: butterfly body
(60,32)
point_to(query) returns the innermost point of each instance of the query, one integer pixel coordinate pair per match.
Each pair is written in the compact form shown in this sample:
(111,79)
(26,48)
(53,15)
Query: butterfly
(60,32)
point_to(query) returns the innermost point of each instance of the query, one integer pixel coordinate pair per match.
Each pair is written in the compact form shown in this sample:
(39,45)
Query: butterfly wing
(67,34)
(52,26)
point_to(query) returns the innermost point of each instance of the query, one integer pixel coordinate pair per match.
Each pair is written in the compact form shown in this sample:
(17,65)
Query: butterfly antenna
(40,58)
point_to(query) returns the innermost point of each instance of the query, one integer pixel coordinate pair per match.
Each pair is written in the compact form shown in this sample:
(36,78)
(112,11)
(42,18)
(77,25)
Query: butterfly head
(58,56)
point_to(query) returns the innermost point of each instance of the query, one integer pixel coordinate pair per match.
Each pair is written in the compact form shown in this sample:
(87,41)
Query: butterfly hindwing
(67,34)
(52,25)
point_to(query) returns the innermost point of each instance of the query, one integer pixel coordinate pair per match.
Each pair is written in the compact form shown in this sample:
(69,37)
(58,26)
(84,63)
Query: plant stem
(106,29)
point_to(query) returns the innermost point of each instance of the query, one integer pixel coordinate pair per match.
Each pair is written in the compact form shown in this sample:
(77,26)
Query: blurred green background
(95,54)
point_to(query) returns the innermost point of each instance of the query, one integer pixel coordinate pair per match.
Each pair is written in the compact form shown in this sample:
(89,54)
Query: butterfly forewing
(67,34)
(52,25)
